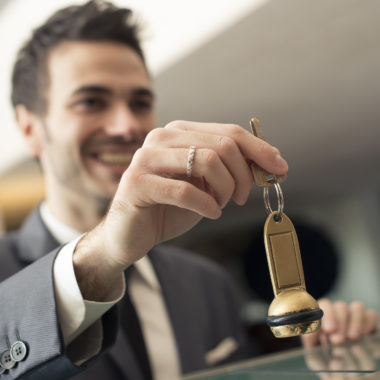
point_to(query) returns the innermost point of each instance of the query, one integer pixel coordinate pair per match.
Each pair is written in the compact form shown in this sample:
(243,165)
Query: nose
(122,121)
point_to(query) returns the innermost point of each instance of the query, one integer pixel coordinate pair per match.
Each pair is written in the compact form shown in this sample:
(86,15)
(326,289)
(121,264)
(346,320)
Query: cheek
(68,130)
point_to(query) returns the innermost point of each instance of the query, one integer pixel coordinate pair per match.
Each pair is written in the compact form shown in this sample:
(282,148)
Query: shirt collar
(60,231)
(63,234)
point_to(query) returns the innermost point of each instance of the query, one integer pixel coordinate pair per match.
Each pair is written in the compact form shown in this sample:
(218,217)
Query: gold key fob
(293,311)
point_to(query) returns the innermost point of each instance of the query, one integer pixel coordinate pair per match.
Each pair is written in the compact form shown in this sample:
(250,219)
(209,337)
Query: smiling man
(99,110)
(116,188)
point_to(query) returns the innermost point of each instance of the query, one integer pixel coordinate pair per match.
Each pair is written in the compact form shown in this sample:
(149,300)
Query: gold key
(261,176)
(293,311)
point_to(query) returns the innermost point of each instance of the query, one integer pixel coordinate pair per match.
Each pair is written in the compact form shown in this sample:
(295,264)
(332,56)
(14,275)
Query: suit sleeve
(28,313)
(80,319)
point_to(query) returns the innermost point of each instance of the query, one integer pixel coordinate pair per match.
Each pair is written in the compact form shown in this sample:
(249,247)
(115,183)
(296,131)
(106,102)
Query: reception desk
(354,360)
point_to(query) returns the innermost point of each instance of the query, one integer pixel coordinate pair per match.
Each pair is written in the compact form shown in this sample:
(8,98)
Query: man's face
(99,110)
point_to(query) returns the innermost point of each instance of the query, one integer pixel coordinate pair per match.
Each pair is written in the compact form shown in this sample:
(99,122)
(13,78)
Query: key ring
(280,199)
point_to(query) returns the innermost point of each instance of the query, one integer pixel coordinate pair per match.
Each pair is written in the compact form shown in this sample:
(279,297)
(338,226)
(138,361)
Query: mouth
(114,159)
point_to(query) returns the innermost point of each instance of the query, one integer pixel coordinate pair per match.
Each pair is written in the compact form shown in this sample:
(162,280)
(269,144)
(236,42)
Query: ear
(29,125)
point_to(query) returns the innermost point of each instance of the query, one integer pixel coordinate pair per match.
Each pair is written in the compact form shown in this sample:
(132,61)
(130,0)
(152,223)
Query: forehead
(74,64)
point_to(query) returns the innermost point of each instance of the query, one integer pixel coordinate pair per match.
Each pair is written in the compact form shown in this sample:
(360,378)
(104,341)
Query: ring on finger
(190,160)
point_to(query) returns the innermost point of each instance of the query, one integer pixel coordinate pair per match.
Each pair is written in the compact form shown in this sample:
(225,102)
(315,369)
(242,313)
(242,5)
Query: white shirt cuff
(76,314)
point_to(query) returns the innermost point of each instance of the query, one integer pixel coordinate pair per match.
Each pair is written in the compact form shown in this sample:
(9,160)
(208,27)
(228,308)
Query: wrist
(95,272)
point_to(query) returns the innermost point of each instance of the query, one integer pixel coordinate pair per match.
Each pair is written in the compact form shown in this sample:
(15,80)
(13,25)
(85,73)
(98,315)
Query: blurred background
(310,71)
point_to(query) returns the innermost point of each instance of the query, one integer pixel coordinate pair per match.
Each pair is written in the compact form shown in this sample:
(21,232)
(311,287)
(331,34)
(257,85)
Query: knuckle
(130,178)
(235,130)
(173,124)
(340,305)
(182,190)
(156,136)
(227,144)
(357,305)
(211,158)
(138,157)
(142,158)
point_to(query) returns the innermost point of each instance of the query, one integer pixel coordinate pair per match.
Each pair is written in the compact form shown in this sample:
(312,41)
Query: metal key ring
(280,199)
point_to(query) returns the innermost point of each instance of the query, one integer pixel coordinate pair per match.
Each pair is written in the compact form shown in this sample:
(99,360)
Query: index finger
(252,148)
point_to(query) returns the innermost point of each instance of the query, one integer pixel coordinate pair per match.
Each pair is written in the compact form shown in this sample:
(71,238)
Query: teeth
(115,158)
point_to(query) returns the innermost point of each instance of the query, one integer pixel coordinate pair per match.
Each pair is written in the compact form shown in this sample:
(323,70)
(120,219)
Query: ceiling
(310,71)
(162,46)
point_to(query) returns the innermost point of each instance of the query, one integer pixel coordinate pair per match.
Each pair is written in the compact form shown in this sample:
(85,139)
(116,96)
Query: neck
(80,212)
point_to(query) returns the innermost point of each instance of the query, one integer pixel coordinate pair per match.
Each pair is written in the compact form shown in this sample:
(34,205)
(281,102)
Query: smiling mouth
(114,158)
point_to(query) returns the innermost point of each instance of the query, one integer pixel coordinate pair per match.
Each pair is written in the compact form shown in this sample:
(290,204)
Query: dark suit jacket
(198,296)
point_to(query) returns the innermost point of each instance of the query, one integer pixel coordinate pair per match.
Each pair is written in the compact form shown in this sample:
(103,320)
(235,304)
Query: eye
(90,103)
(141,105)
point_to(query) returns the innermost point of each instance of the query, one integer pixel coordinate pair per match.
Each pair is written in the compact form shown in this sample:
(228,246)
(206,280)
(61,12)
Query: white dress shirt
(80,319)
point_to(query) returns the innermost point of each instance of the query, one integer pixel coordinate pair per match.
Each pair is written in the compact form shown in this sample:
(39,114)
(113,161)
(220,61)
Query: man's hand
(156,201)
(342,322)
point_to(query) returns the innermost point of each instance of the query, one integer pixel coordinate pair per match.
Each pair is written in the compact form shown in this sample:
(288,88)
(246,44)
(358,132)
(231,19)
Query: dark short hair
(96,20)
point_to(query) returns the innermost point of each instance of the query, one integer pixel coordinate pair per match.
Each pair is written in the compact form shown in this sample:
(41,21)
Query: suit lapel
(34,240)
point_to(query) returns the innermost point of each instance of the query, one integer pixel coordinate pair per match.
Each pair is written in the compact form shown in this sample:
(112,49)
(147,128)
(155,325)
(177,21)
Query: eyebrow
(139,91)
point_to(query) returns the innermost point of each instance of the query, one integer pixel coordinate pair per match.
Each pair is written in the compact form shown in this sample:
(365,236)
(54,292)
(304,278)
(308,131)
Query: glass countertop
(353,360)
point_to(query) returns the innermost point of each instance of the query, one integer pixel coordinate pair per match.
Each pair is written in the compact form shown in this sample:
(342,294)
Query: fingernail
(280,162)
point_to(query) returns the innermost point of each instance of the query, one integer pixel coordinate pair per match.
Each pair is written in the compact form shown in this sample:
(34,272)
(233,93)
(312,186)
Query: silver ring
(280,199)
(190,159)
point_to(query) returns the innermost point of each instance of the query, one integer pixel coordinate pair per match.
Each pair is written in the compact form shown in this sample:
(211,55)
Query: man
(83,99)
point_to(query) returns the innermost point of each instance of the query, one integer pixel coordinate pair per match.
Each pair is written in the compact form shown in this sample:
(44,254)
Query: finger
(341,316)
(329,326)
(160,190)
(357,320)
(329,322)
(311,340)
(172,163)
(252,147)
(372,321)
(208,165)
(224,146)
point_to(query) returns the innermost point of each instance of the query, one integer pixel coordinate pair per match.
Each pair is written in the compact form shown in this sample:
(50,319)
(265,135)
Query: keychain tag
(283,253)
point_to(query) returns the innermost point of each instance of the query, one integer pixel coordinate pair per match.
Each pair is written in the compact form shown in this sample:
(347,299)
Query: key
(261,176)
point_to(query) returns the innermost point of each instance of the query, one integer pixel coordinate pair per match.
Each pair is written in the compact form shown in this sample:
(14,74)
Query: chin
(108,189)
